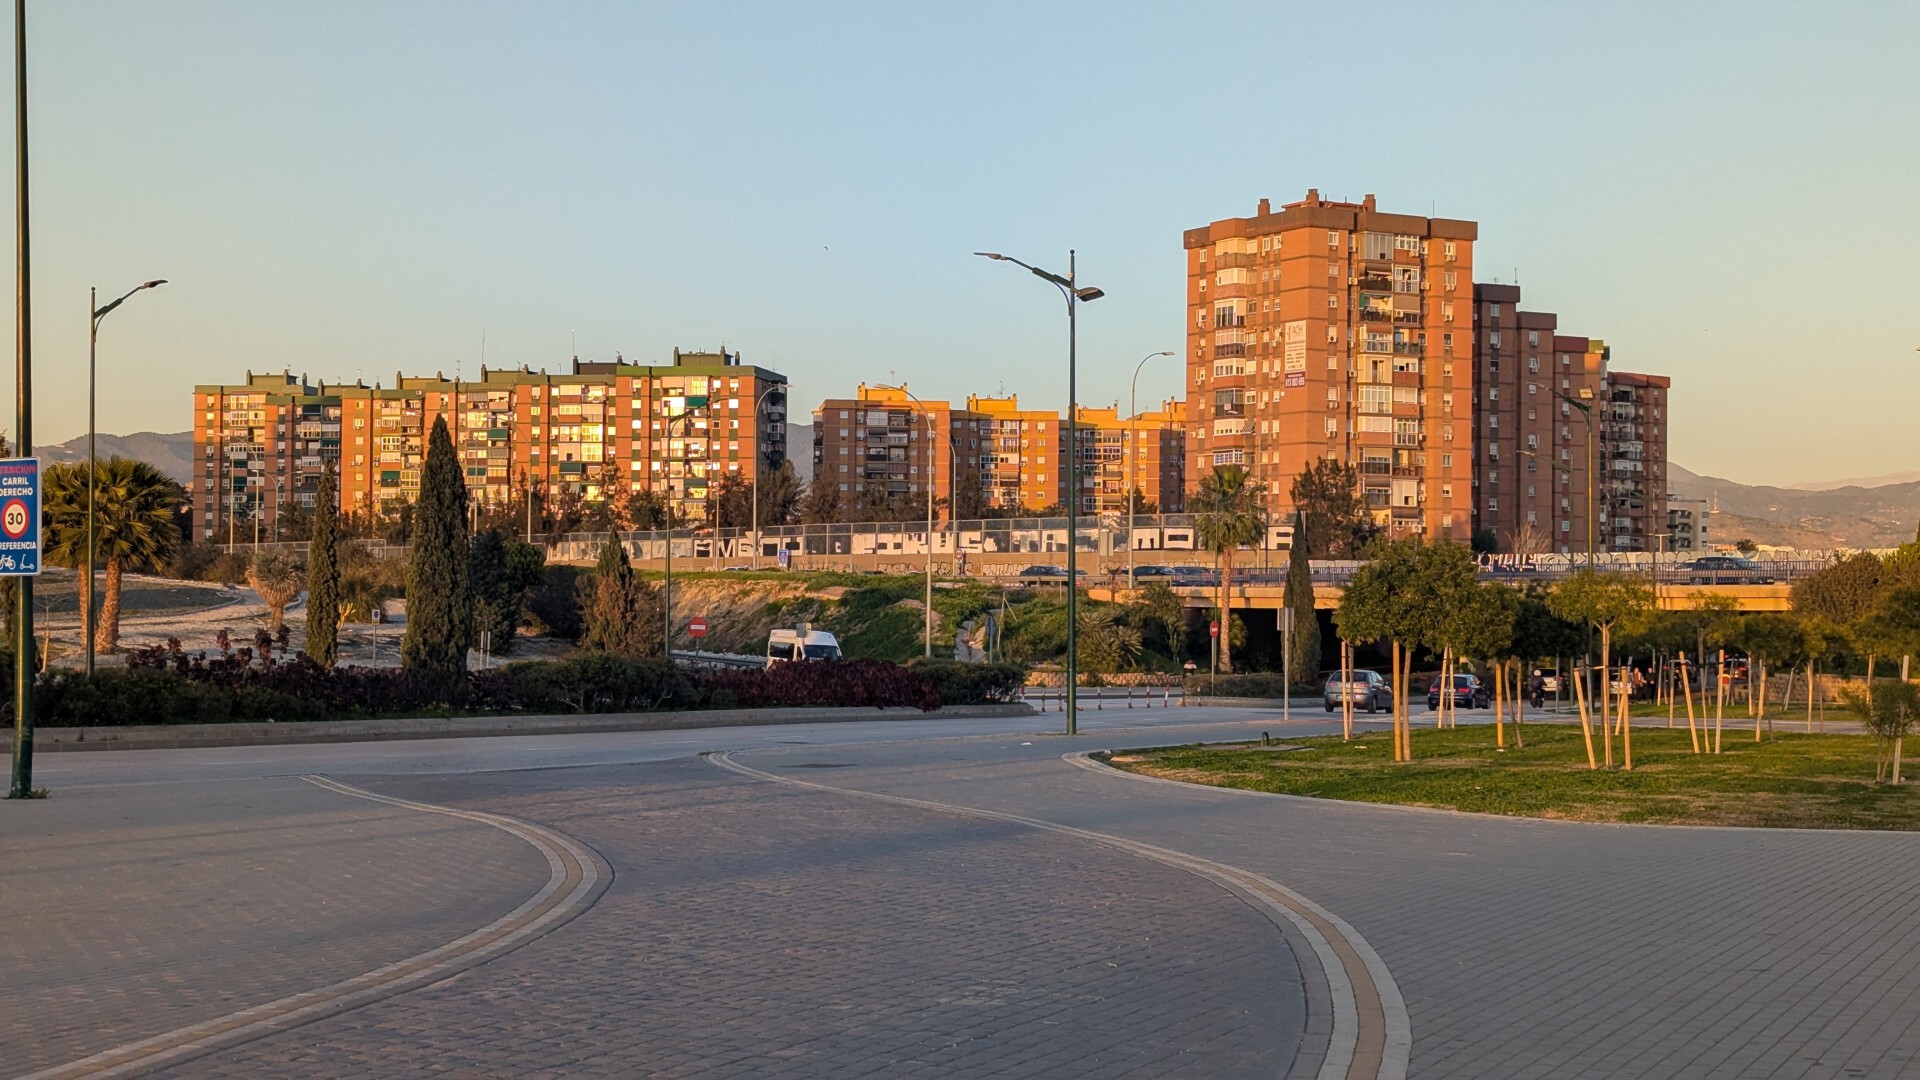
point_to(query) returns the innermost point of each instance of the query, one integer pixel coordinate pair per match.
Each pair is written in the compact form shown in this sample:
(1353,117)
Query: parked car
(1726,570)
(1047,574)
(1468,693)
(1368,691)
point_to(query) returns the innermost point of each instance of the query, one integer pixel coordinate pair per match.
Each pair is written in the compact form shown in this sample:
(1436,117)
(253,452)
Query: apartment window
(1446,339)
(1333,268)
(1333,238)
(1565,525)
(1493,393)
(1447,250)
(1446,491)
(1493,339)
(1332,301)
(1446,461)
(1564,360)
(1533,365)
(1533,337)
(1446,311)
(1446,371)
(1333,427)
(1446,521)
(1450,280)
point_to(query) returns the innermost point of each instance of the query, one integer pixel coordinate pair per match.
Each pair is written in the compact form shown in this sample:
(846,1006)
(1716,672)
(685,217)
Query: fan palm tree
(134,506)
(1228,514)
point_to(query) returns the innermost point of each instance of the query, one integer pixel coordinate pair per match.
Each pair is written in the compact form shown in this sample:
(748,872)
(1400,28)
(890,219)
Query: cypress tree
(496,602)
(439,596)
(323,573)
(622,613)
(1303,644)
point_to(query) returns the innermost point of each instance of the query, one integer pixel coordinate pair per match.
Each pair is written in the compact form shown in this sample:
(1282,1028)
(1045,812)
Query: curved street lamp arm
(102,312)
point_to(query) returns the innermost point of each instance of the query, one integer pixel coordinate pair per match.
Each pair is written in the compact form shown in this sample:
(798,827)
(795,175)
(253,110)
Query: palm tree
(134,506)
(1228,514)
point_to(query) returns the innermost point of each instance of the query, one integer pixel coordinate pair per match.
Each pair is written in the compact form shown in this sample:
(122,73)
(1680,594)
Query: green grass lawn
(1788,781)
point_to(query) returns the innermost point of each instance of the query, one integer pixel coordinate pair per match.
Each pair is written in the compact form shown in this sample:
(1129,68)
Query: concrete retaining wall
(182,736)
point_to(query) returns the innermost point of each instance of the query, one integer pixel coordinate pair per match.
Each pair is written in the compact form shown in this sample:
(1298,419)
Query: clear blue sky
(1724,192)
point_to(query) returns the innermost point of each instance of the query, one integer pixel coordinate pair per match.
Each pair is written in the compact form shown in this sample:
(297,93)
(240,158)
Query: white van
(784,646)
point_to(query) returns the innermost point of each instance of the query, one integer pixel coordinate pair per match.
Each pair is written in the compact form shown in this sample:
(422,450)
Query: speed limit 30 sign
(19,517)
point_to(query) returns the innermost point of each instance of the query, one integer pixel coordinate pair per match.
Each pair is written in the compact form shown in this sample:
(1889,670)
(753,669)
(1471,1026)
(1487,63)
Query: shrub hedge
(164,685)
(1252,684)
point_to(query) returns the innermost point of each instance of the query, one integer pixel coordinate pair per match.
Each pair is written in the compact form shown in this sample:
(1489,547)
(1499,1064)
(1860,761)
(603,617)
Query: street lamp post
(666,588)
(1133,435)
(1074,294)
(21,786)
(931,454)
(753,488)
(1586,415)
(93,460)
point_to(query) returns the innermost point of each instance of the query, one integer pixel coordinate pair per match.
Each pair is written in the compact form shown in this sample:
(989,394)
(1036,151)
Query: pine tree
(1303,643)
(439,596)
(496,600)
(323,573)
(622,613)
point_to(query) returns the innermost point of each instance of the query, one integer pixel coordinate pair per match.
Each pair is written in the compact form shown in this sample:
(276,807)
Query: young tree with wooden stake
(1586,724)
(1686,687)
(1719,697)
(1383,601)
(1607,602)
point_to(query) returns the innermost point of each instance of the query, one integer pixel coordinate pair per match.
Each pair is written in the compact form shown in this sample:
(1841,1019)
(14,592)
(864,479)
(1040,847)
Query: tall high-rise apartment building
(1634,517)
(1330,329)
(885,442)
(673,429)
(1559,437)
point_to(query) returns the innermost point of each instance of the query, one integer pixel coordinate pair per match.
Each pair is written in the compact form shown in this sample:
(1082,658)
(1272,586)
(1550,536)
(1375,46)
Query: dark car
(1726,570)
(1368,691)
(1047,574)
(1468,693)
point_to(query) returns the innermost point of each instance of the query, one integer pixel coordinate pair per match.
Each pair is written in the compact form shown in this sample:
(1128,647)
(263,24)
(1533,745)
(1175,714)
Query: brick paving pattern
(1531,948)
(761,931)
(137,910)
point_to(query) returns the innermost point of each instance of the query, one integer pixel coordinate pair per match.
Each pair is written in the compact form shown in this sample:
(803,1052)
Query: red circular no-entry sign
(697,626)
(1213,629)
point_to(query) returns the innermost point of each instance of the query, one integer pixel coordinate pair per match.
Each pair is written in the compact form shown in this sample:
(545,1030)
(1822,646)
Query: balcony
(1405,348)
(1230,350)
(1376,314)
(1407,318)
(1376,282)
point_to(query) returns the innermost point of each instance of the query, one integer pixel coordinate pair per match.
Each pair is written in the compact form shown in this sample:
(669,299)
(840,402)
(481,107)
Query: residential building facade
(675,429)
(885,441)
(1329,329)
(1023,461)
(1144,453)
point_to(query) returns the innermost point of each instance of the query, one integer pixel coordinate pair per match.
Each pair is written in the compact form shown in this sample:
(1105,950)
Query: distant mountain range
(171,454)
(1881,511)
(1849,515)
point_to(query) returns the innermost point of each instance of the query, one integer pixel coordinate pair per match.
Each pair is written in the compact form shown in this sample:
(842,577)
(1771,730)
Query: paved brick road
(761,931)
(1529,948)
(137,910)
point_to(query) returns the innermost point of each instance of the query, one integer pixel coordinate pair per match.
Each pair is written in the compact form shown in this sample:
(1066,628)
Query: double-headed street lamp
(1133,435)
(1074,295)
(932,454)
(93,461)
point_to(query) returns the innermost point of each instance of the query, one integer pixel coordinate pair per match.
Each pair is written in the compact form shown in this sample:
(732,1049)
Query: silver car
(1368,691)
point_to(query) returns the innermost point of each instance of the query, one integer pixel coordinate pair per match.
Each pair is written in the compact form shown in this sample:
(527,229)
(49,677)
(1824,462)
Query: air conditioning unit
(1353,281)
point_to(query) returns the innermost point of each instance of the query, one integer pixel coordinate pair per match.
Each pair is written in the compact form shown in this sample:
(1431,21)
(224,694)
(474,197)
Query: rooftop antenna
(576,342)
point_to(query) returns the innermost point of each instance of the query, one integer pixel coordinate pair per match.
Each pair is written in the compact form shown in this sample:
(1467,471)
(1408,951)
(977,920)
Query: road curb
(202,736)
(1370,1036)
(577,877)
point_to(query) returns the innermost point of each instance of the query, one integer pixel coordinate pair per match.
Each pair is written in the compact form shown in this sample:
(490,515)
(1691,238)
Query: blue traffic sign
(19,517)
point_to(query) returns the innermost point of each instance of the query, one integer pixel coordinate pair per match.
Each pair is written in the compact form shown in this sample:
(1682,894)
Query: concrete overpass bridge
(1326,595)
